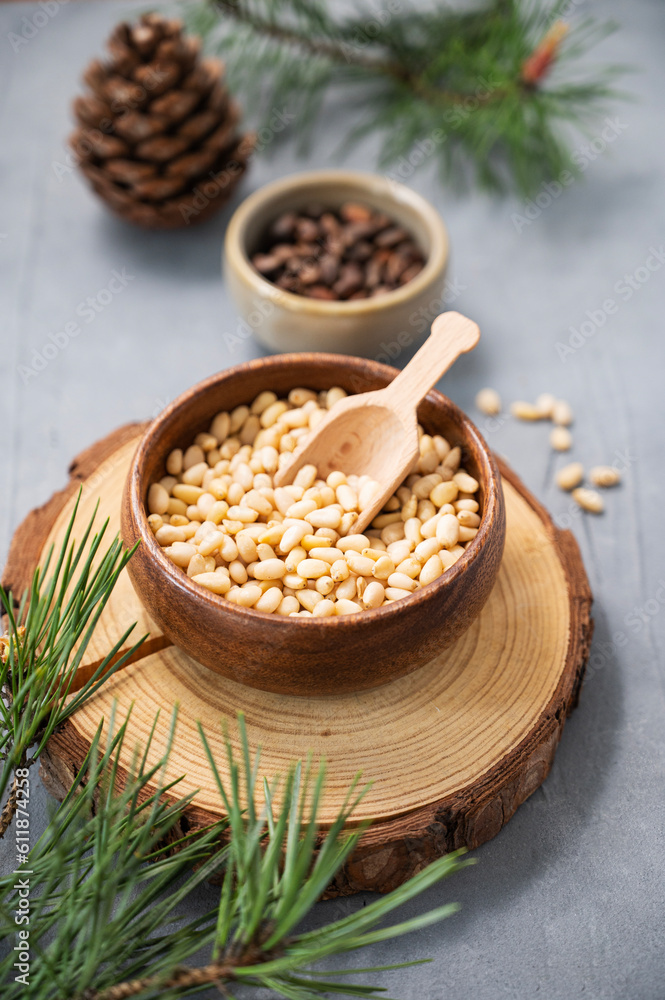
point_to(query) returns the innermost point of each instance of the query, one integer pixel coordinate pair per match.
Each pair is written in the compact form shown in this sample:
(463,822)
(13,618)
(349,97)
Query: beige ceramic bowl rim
(260,201)
(179,578)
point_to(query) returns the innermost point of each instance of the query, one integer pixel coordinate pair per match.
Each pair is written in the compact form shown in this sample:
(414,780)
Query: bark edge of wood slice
(403,840)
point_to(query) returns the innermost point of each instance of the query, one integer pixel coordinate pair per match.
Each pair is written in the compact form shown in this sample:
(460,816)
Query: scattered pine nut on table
(588,500)
(489,401)
(570,476)
(562,413)
(605,475)
(546,403)
(291,550)
(526,411)
(561,439)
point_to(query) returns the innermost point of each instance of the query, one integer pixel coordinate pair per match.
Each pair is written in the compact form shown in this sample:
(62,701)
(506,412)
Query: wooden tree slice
(451,750)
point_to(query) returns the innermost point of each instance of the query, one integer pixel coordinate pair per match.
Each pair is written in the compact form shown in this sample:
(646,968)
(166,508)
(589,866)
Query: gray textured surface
(568,900)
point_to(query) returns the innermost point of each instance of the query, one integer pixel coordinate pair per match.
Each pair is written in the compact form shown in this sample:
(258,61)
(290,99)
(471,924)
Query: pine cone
(157,137)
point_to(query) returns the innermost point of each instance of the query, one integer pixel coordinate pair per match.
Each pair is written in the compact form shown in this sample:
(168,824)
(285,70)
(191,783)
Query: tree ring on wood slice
(451,750)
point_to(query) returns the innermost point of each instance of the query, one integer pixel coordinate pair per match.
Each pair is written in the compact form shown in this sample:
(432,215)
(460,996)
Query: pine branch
(339,52)
(491,93)
(112,870)
(99,910)
(48,632)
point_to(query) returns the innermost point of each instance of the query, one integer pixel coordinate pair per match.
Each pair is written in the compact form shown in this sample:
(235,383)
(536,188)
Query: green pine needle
(109,877)
(48,632)
(99,910)
(442,83)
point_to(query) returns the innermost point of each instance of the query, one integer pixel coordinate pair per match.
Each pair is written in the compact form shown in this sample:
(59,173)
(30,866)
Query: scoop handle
(452,334)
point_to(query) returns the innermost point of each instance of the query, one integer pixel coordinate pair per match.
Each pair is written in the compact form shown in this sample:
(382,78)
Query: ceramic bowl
(381,327)
(308,656)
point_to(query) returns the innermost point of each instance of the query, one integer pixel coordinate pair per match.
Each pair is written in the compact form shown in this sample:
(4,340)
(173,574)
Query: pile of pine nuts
(546,407)
(571,476)
(291,550)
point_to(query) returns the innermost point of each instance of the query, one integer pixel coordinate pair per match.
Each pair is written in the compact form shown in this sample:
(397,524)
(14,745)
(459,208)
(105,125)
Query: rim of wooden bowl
(137,489)
(311,183)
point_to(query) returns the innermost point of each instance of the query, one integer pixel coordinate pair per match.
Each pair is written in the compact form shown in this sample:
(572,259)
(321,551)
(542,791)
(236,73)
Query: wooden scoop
(376,433)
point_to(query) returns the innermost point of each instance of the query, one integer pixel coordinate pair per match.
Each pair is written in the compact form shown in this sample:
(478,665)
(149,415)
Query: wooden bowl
(308,656)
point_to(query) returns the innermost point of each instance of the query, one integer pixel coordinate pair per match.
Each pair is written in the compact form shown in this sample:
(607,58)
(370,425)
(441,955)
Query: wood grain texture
(308,656)
(452,749)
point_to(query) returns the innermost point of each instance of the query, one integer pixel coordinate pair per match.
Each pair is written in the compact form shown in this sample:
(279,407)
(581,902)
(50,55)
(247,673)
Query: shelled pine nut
(588,499)
(546,403)
(291,550)
(560,438)
(570,476)
(526,411)
(605,475)
(488,401)
(562,413)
